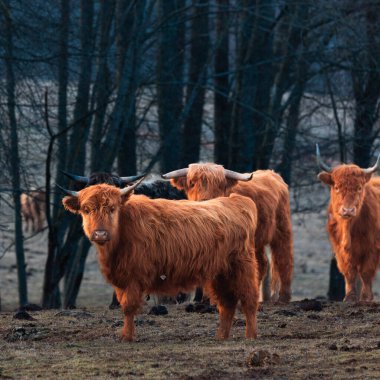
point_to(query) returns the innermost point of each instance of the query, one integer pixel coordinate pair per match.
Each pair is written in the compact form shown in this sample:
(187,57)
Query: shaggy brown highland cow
(354,224)
(158,246)
(33,210)
(271,196)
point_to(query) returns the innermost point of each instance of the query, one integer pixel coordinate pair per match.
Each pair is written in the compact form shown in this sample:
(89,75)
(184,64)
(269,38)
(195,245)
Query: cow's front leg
(130,301)
(367,272)
(350,286)
(349,272)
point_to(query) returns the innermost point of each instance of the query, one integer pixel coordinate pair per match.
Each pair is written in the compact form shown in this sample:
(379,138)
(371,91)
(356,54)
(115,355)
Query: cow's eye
(359,189)
(192,184)
(86,211)
(112,209)
(336,188)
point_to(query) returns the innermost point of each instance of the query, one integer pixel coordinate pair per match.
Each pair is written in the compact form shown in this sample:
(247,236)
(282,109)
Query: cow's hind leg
(247,291)
(250,311)
(263,266)
(243,285)
(367,272)
(226,315)
(282,262)
(115,304)
(221,293)
(27,224)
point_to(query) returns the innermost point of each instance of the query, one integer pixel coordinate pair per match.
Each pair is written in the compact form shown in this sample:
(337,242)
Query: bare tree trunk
(253,84)
(102,88)
(76,246)
(75,272)
(367,91)
(222,106)
(125,21)
(129,81)
(292,121)
(79,136)
(199,51)
(285,167)
(242,137)
(170,81)
(15,159)
(51,295)
(262,52)
(124,111)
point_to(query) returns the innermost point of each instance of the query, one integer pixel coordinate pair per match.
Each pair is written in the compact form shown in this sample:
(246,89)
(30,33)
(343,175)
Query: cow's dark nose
(100,236)
(348,211)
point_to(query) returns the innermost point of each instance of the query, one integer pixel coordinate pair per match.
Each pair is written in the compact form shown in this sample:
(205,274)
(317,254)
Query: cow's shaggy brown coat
(354,226)
(271,196)
(162,246)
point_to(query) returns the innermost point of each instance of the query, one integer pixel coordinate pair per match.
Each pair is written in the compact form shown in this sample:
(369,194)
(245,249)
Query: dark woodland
(150,86)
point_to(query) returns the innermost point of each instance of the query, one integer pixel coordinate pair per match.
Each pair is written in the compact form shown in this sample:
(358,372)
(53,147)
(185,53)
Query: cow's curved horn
(130,188)
(238,176)
(321,164)
(68,192)
(132,178)
(77,178)
(374,167)
(176,173)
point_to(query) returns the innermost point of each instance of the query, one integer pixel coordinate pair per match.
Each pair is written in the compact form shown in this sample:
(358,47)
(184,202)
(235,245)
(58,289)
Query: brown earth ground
(341,341)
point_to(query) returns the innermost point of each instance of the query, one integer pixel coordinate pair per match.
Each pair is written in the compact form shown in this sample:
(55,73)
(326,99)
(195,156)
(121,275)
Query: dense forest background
(133,86)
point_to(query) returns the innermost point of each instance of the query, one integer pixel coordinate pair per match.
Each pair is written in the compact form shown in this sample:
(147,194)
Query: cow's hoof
(366,298)
(126,338)
(221,336)
(251,335)
(350,298)
(284,298)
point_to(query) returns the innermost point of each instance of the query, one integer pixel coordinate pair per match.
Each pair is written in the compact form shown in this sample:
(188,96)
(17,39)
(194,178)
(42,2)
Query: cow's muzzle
(347,212)
(100,236)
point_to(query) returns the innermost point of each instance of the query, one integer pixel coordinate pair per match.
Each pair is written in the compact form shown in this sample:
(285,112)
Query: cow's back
(186,239)
(271,196)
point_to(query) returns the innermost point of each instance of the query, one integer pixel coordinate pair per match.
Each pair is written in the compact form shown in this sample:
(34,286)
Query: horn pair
(124,191)
(329,169)
(228,173)
(123,180)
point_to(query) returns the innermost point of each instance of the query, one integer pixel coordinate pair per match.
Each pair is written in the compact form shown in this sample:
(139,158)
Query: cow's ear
(367,177)
(71,204)
(125,197)
(326,178)
(180,183)
(231,183)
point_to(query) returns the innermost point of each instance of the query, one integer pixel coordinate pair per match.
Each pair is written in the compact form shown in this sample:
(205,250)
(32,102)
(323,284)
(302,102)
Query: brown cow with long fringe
(271,196)
(354,224)
(161,246)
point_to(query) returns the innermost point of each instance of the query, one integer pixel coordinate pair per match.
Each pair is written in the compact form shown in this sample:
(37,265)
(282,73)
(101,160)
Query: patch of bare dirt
(342,342)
